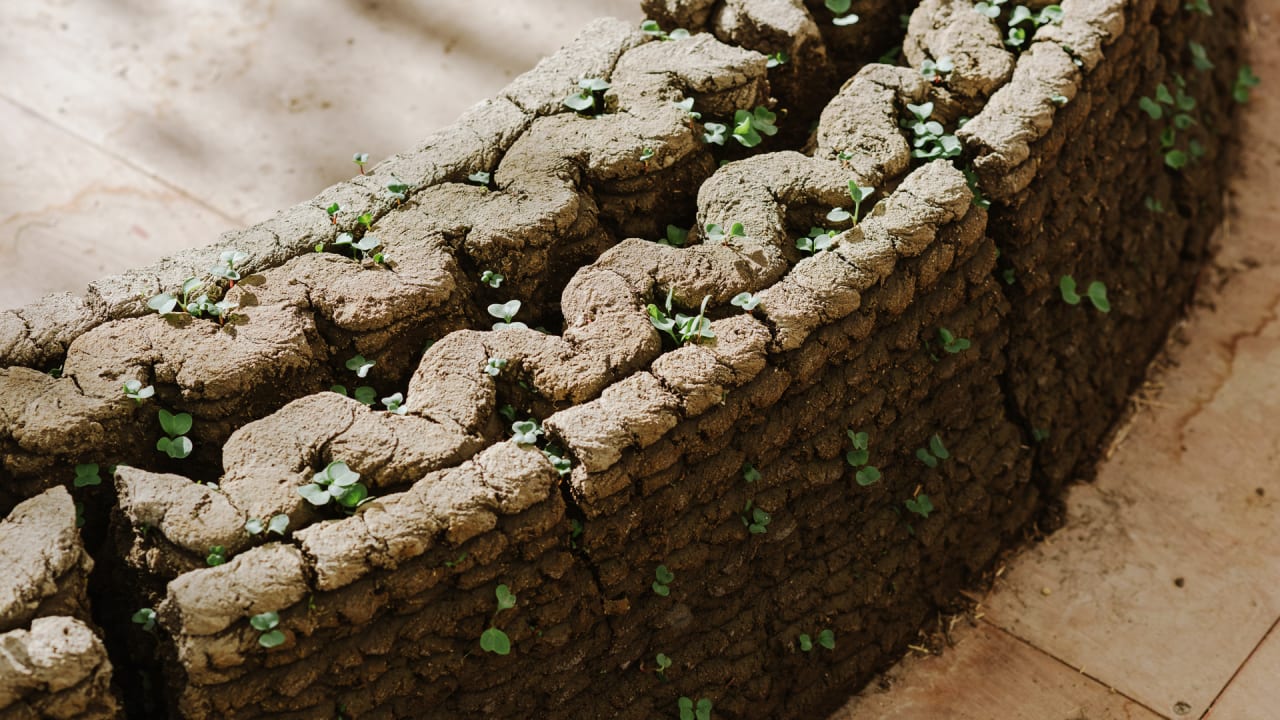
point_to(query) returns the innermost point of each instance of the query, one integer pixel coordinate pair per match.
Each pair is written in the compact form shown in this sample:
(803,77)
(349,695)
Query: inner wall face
(789,366)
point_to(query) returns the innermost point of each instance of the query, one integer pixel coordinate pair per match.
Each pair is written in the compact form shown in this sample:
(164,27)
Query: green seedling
(756,519)
(990,8)
(713,133)
(806,643)
(1245,80)
(226,267)
(646,155)
(590,96)
(951,343)
(663,662)
(191,304)
(858,458)
(1023,22)
(840,8)
(269,635)
(776,59)
(937,71)
(857,193)
(508,412)
(360,159)
(749,125)
(360,365)
(217,556)
(750,473)
(480,177)
(1058,99)
(676,237)
(687,106)
(145,618)
(827,639)
(1200,6)
(1039,434)
(682,328)
(933,454)
(701,710)
(395,404)
(663,578)
(338,483)
(971,178)
(492,279)
(87,476)
(494,640)
(931,138)
(526,432)
(55,372)
(746,301)
(1096,292)
(493,366)
(1153,204)
(134,390)
(278,524)
(920,505)
(715,233)
(366,395)
(177,445)
(506,312)
(818,240)
(1199,56)
(651,28)
(333,210)
(451,564)
(397,189)
(559,460)
(362,249)
(79,514)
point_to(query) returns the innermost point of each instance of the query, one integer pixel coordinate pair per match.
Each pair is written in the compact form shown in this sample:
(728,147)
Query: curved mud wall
(930,342)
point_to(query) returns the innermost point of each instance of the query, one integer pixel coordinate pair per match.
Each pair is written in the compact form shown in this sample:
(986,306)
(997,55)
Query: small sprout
(333,210)
(505,312)
(806,643)
(1153,204)
(715,233)
(651,28)
(931,139)
(562,465)
(714,133)
(494,640)
(266,624)
(584,100)
(1039,434)
(87,475)
(827,639)
(748,125)
(508,412)
(278,524)
(750,473)
(745,300)
(397,189)
(1199,57)
(1096,292)
(646,155)
(934,453)
(859,455)
(526,432)
(839,8)
(226,267)
(971,178)
(360,366)
(687,106)
(1058,99)
(989,9)
(395,404)
(362,248)
(1200,6)
(951,343)
(479,177)
(494,366)
(756,519)
(217,556)
(1176,159)
(146,617)
(702,709)
(491,278)
(857,193)
(336,482)
(360,159)
(366,395)
(776,59)
(79,514)
(937,71)
(176,427)
(662,582)
(676,237)
(818,240)
(366,220)
(682,328)
(663,662)
(868,475)
(1151,107)
(1245,79)
(454,563)
(920,505)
